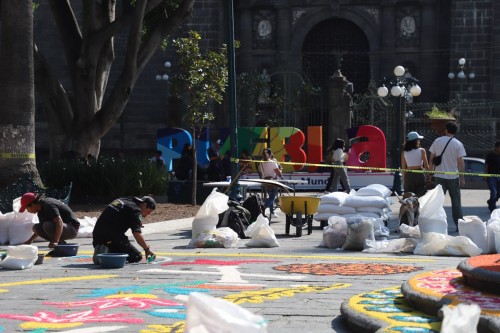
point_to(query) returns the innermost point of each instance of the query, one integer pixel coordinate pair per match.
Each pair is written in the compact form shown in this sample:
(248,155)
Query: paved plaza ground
(296,287)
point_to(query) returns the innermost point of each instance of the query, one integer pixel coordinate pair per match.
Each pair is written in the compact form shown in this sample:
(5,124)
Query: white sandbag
(5,222)
(495,214)
(437,225)
(473,227)
(379,211)
(336,198)
(261,233)
(335,234)
(87,225)
(374,189)
(337,209)
(406,231)
(380,231)
(208,215)
(21,228)
(207,314)
(323,216)
(462,318)
(491,226)
(401,245)
(358,230)
(365,201)
(432,217)
(365,214)
(437,244)
(20,257)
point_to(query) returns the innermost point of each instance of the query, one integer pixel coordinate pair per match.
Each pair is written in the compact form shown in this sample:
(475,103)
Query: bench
(23,185)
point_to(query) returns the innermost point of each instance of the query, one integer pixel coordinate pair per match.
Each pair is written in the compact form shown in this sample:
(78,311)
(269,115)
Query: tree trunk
(17,97)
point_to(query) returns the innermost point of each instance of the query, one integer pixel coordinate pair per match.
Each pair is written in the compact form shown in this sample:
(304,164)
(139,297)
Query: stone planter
(437,124)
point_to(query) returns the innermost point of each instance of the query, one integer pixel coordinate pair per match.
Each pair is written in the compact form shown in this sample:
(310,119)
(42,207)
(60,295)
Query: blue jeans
(271,196)
(494,186)
(452,185)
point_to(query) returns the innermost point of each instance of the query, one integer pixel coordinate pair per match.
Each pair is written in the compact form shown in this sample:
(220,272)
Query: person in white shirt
(414,157)
(338,158)
(269,169)
(452,162)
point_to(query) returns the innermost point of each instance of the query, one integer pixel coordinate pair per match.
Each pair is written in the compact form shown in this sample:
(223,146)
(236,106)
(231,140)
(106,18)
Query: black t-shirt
(493,162)
(119,216)
(52,208)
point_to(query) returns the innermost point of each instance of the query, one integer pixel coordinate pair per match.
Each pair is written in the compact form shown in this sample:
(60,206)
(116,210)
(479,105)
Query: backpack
(237,221)
(255,206)
(236,218)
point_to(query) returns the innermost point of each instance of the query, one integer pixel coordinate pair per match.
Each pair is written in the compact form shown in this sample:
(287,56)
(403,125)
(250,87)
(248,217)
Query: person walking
(119,216)
(452,152)
(269,169)
(57,222)
(492,166)
(338,172)
(414,157)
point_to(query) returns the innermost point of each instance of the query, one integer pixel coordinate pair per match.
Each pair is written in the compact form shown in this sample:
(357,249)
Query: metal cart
(299,210)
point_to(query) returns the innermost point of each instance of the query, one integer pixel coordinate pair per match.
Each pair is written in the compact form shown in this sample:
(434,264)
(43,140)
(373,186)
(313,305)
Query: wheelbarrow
(299,210)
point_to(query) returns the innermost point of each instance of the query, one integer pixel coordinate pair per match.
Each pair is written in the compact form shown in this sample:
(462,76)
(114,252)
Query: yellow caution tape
(17,155)
(237,160)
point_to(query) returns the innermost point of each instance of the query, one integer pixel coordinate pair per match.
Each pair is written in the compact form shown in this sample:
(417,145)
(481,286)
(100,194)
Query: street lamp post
(163,76)
(404,87)
(461,76)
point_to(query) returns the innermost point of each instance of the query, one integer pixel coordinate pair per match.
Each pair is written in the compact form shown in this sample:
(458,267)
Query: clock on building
(264,29)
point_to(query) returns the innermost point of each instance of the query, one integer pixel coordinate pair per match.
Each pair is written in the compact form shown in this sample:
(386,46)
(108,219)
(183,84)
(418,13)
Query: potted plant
(439,118)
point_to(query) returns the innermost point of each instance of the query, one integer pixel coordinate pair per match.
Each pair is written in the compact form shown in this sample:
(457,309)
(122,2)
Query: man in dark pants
(57,222)
(492,166)
(119,216)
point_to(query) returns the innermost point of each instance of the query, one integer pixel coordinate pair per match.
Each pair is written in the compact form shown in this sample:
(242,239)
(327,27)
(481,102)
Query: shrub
(107,177)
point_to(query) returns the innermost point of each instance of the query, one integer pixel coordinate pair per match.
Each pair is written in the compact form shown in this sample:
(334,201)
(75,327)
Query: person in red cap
(57,222)
(119,216)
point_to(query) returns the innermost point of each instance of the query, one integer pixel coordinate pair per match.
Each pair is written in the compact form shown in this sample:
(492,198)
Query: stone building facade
(297,41)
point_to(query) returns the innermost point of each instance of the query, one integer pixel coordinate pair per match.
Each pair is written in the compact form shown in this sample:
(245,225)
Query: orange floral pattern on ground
(347,269)
(490,262)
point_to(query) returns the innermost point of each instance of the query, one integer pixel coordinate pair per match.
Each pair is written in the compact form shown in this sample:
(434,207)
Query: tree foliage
(201,80)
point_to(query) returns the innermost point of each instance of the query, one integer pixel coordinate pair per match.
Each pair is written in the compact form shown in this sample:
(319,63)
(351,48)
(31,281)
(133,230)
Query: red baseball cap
(26,199)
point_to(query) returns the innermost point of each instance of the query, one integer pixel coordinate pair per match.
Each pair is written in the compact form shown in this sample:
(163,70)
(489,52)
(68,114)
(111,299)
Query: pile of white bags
(370,201)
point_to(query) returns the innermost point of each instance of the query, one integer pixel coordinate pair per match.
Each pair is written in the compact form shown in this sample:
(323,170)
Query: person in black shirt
(57,222)
(492,166)
(119,216)
(215,165)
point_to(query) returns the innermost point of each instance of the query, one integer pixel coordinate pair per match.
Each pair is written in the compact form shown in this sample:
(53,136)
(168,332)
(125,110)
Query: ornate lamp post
(461,75)
(403,88)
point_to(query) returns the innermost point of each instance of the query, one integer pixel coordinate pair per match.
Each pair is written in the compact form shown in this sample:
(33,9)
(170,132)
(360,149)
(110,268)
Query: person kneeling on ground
(57,222)
(119,216)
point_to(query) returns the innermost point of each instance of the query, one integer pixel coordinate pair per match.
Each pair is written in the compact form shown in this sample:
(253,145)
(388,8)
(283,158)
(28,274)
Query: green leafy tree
(201,80)
(79,120)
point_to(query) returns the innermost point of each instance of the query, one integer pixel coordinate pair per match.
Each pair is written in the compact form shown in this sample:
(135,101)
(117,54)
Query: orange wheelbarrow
(299,210)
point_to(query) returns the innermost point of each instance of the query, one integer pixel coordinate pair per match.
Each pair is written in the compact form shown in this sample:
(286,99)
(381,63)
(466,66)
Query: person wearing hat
(119,216)
(57,222)
(414,157)
(215,165)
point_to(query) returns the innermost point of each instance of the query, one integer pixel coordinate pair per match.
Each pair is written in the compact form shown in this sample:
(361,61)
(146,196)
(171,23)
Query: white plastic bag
(21,228)
(221,237)
(462,318)
(359,229)
(261,233)
(208,215)
(5,223)
(399,245)
(437,244)
(473,227)
(493,226)
(432,216)
(406,231)
(207,314)
(335,234)
(20,257)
